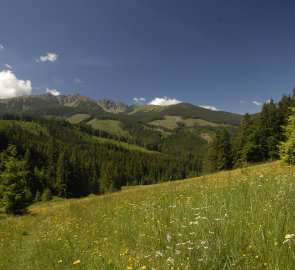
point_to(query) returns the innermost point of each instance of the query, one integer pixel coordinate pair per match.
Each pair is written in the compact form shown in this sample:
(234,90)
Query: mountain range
(69,105)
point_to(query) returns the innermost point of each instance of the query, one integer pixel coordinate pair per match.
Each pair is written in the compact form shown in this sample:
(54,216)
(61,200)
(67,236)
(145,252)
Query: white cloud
(1,47)
(165,101)
(257,103)
(8,66)
(268,101)
(77,80)
(212,108)
(50,57)
(139,100)
(10,86)
(53,92)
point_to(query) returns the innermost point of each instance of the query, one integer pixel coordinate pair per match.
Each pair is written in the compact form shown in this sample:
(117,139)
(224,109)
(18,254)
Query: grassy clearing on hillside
(128,146)
(243,219)
(147,108)
(171,122)
(78,118)
(111,126)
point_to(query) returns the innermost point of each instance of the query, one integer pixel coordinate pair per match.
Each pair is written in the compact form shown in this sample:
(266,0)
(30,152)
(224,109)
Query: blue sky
(225,54)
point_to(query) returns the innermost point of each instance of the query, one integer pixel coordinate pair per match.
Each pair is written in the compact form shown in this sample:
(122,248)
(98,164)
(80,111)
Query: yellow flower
(59,261)
(143,267)
(256,257)
(77,262)
(129,268)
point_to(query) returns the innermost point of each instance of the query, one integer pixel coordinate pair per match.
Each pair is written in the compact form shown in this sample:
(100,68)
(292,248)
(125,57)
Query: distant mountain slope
(186,111)
(47,103)
(114,106)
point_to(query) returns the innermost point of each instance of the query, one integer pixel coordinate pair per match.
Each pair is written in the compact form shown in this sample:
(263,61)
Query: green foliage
(14,178)
(259,136)
(219,155)
(287,148)
(46,195)
(110,178)
(38,197)
(237,220)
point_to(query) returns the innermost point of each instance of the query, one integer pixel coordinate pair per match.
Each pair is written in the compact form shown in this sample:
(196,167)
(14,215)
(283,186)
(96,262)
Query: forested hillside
(72,154)
(257,139)
(72,161)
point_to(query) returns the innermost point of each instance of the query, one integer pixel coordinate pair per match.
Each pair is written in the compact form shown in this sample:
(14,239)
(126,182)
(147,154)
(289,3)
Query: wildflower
(143,267)
(159,254)
(129,268)
(59,261)
(170,260)
(256,257)
(77,262)
(288,238)
(169,237)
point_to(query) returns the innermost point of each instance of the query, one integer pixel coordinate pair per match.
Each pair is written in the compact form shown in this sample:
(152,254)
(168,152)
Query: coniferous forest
(42,157)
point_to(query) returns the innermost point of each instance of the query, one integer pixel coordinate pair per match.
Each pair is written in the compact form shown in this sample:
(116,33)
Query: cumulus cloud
(257,103)
(139,100)
(212,108)
(49,57)
(1,47)
(77,80)
(11,86)
(164,101)
(8,66)
(53,92)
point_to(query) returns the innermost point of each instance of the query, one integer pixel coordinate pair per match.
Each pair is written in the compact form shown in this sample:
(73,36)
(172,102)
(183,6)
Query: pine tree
(287,149)
(63,174)
(110,178)
(240,140)
(14,189)
(219,154)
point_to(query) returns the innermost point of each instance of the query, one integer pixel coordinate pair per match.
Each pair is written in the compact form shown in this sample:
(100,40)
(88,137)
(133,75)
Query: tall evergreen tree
(287,149)
(14,178)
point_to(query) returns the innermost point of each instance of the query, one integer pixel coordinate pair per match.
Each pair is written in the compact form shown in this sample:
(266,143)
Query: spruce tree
(287,149)
(14,189)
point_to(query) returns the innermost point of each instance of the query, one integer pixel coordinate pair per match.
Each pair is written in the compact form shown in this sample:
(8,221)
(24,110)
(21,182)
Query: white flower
(169,237)
(289,236)
(170,260)
(159,254)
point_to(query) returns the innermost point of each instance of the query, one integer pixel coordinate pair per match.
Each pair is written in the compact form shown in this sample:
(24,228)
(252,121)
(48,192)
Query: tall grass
(242,219)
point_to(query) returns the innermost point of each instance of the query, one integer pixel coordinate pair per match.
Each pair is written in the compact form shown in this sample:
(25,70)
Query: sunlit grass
(243,219)
(78,118)
(111,126)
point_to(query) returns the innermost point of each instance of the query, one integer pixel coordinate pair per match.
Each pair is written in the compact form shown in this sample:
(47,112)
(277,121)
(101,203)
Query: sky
(229,55)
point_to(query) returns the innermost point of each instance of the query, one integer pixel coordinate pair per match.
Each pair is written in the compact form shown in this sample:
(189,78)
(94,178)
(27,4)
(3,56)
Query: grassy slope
(171,122)
(78,118)
(38,130)
(147,108)
(128,146)
(229,220)
(111,126)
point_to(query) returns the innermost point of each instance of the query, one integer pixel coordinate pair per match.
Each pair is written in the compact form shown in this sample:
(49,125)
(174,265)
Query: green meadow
(240,219)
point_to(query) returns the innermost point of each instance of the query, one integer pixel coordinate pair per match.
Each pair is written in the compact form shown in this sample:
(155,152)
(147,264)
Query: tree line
(41,158)
(259,138)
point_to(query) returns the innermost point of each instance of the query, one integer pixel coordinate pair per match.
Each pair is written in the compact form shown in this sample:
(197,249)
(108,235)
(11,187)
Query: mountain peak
(114,106)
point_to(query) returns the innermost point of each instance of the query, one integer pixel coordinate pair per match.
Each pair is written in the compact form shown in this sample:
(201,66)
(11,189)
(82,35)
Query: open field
(171,122)
(78,118)
(111,126)
(241,219)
